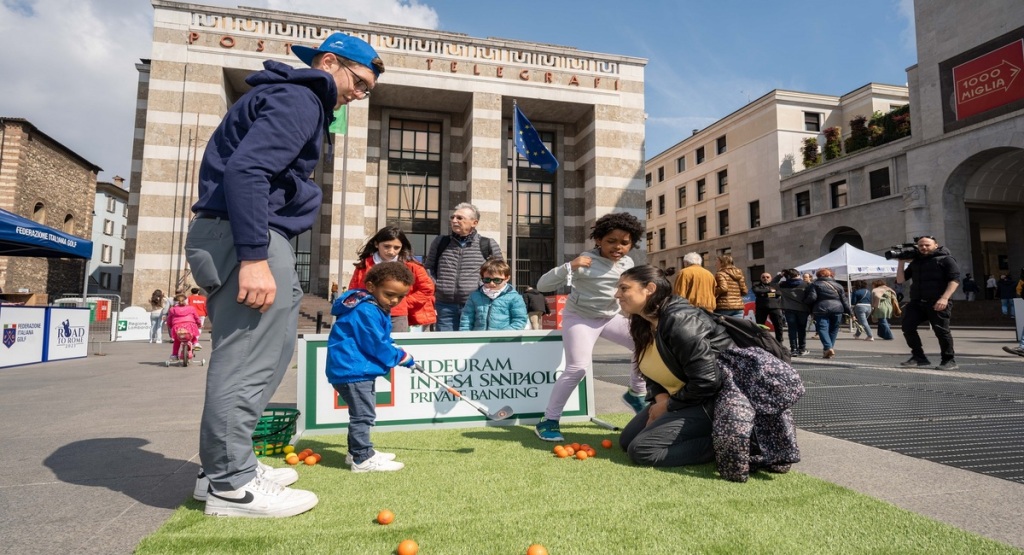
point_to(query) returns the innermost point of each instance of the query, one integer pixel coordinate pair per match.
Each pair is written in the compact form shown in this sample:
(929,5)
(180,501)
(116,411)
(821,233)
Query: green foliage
(810,151)
(500,489)
(833,142)
(859,137)
(889,126)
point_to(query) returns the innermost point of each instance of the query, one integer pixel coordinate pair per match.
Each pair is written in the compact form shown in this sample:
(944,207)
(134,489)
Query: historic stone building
(435,132)
(44,181)
(957,177)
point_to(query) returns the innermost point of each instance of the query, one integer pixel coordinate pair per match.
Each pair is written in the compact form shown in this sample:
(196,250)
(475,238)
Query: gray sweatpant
(250,351)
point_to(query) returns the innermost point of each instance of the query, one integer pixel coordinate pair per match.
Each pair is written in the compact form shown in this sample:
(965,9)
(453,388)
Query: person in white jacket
(591,311)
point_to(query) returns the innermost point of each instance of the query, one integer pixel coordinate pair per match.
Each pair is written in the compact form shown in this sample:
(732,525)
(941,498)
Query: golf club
(500,414)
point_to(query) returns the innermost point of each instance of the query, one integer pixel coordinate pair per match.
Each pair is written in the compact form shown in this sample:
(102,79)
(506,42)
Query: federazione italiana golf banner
(495,369)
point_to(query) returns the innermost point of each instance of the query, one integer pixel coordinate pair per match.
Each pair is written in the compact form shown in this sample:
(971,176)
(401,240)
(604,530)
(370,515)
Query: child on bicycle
(360,349)
(183,325)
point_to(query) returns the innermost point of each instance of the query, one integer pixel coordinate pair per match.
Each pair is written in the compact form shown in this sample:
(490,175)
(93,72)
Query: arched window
(39,213)
(69,224)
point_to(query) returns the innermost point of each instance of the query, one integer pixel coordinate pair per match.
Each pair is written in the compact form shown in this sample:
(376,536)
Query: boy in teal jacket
(495,305)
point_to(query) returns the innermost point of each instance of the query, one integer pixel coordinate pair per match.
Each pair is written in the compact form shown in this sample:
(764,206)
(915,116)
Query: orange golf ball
(407,547)
(581,455)
(316,456)
(385,517)
(606,443)
(310,460)
(292,458)
(536,549)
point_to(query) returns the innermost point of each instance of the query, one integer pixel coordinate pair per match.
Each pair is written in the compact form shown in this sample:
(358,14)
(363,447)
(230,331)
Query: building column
(485,164)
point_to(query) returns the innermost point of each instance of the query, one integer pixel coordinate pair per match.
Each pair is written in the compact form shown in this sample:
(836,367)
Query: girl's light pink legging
(578,338)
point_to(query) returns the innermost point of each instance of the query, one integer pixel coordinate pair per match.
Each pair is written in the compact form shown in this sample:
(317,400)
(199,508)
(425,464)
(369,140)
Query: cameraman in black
(935,276)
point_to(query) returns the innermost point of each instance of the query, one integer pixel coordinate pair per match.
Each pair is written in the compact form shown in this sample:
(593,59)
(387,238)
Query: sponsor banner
(133,324)
(495,369)
(68,333)
(23,336)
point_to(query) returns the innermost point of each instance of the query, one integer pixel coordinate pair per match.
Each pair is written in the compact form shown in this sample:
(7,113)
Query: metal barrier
(102,317)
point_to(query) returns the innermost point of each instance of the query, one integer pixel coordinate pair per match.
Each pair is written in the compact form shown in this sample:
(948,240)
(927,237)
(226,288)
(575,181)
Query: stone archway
(836,237)
(983,212)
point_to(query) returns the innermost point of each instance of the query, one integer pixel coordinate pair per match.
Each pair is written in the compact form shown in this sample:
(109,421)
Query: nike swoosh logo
(247,498)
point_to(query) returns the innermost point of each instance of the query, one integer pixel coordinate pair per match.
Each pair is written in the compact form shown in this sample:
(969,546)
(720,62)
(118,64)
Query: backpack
(485,249)
(745,333)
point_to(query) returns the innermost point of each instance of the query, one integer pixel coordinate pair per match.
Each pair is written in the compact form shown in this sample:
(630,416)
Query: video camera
(906,251)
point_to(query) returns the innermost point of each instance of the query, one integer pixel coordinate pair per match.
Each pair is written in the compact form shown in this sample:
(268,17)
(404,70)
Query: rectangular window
(812,122)
(879,180)
(682,234)
(124,212)
(124,232)
(700,155)
(111,204)
(701,189)
(720,145)
(661,239)
(702,228)
(108,227)
(120,260)
(755,214)
(661,174)
(647,180)
(661,205)
(681,164)
(681,197)
(650,209)
(754,273)
(723,181)
(803,203)
(413,187)
(757,252)
(105,280)
(107,254)
(650,240)
(723,222)
(839,191)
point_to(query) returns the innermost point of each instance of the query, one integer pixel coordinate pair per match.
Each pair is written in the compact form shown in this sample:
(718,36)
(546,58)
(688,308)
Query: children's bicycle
(185,350)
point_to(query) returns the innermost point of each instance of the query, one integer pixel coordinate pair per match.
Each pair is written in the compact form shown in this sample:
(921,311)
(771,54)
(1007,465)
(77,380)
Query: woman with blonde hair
(883,306)
(730,287)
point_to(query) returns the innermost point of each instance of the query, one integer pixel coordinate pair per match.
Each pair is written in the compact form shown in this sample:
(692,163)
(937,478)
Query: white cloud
(73,75)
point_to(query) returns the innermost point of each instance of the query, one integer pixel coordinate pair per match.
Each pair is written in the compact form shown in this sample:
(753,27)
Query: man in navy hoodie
(255,195)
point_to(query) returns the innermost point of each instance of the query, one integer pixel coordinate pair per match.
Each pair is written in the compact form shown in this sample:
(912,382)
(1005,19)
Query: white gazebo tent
(849,263)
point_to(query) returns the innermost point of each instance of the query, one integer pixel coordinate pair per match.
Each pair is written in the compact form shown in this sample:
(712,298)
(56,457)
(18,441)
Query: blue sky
(75,76)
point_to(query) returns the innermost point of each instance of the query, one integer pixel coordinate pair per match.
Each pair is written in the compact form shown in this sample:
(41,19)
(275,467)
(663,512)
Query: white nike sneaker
(378,463)
(260,498)
(283,476)
(381,454)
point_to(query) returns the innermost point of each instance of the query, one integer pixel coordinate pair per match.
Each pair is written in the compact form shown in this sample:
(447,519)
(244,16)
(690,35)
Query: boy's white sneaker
(283,477)
(260,498)
(385,456)
(378,463)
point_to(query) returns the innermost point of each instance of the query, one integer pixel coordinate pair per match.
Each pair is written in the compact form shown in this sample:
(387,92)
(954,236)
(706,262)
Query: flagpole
(515,196)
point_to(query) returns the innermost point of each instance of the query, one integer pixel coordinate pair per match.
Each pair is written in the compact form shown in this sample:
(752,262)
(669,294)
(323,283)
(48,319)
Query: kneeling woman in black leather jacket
(677,347)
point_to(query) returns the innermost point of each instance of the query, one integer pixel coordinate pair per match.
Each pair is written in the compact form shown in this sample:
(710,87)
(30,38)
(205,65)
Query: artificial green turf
(497,490)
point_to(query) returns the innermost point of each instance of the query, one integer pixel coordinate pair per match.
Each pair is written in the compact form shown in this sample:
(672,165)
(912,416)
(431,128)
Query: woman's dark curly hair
(385,234)
(618,220)
(641,331)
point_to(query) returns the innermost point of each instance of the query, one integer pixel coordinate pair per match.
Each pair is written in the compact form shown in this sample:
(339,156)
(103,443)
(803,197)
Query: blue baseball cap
(346,46)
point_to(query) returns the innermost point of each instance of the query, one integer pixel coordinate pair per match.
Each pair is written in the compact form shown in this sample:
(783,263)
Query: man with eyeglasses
(934,276)
(454,262)
(255,195)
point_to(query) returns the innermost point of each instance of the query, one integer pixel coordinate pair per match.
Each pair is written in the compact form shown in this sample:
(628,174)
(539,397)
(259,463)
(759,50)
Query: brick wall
(39,177)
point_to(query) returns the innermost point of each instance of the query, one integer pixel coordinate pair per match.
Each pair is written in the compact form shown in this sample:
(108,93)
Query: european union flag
(528,143)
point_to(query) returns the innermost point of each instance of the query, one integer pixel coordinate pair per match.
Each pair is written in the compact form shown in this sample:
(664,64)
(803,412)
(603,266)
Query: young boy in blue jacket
(495,305)
(359,350)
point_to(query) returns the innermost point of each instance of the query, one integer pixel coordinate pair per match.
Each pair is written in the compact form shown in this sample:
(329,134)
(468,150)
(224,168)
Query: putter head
(502,413)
